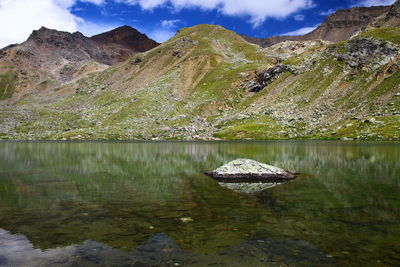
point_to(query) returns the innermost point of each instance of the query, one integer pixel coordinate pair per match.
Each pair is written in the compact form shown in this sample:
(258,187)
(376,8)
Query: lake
(149,204)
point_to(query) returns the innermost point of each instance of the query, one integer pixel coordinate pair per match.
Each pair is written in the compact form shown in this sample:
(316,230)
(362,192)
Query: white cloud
(257,10)
(300,31)
(24,16)
(96,2)
(173,23)
(376,3)
(299,17)
(160,35)
(327,12)
(163,33)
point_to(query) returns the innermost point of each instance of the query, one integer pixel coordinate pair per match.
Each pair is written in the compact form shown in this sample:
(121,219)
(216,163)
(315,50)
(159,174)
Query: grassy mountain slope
(197,86)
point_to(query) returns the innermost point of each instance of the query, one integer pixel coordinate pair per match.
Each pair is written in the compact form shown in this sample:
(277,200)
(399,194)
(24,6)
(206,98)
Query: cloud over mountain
(19,17)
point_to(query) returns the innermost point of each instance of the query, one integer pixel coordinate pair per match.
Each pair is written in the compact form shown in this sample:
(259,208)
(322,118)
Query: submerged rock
(250,171)
(248,188)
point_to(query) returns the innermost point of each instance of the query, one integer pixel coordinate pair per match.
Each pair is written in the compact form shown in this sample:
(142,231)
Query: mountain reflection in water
(159,250)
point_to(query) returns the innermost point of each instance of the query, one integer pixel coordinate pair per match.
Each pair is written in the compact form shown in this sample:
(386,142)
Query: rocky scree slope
(209,83)
(50,58)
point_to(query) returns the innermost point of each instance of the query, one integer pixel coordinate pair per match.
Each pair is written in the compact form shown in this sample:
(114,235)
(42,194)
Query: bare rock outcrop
(264,77)
(365,53)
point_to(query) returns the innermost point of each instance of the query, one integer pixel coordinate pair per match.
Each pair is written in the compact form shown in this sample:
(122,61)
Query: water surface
(149,204)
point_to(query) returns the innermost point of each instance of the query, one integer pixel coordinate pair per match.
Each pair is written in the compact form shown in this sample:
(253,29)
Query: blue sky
(160,19)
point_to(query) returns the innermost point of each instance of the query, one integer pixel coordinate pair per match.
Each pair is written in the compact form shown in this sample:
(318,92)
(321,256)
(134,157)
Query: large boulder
(264,77)
(250,171)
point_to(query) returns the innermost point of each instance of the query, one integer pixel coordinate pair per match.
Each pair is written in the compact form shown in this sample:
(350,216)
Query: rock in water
(248,188)
(250,171)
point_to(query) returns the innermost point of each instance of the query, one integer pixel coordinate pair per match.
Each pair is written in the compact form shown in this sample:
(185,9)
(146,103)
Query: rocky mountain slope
(393,17)
(337,27)
(209,83)
(50,58)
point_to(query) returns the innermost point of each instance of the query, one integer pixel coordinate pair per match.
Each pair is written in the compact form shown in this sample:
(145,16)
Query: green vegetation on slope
(260,128)
(389,34)
(7,84)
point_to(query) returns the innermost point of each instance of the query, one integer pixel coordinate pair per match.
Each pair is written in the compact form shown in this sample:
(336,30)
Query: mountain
(51,58)
(337,27)
(209,83)
(125,41)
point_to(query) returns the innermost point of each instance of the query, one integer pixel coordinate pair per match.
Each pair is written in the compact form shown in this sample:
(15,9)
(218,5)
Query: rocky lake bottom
(150,204)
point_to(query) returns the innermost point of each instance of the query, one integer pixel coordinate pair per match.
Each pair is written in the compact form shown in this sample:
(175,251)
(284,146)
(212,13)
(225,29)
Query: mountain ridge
(51,58)
(337,27)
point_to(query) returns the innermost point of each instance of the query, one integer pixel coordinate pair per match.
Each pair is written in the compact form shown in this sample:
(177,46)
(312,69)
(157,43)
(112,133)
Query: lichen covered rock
(250,171)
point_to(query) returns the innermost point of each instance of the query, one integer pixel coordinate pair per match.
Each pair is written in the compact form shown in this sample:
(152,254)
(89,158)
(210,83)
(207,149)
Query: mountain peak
(44,30)
(125,29)
(127,37)
(204,31)
(202,27)
(49,37)
(41,31)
